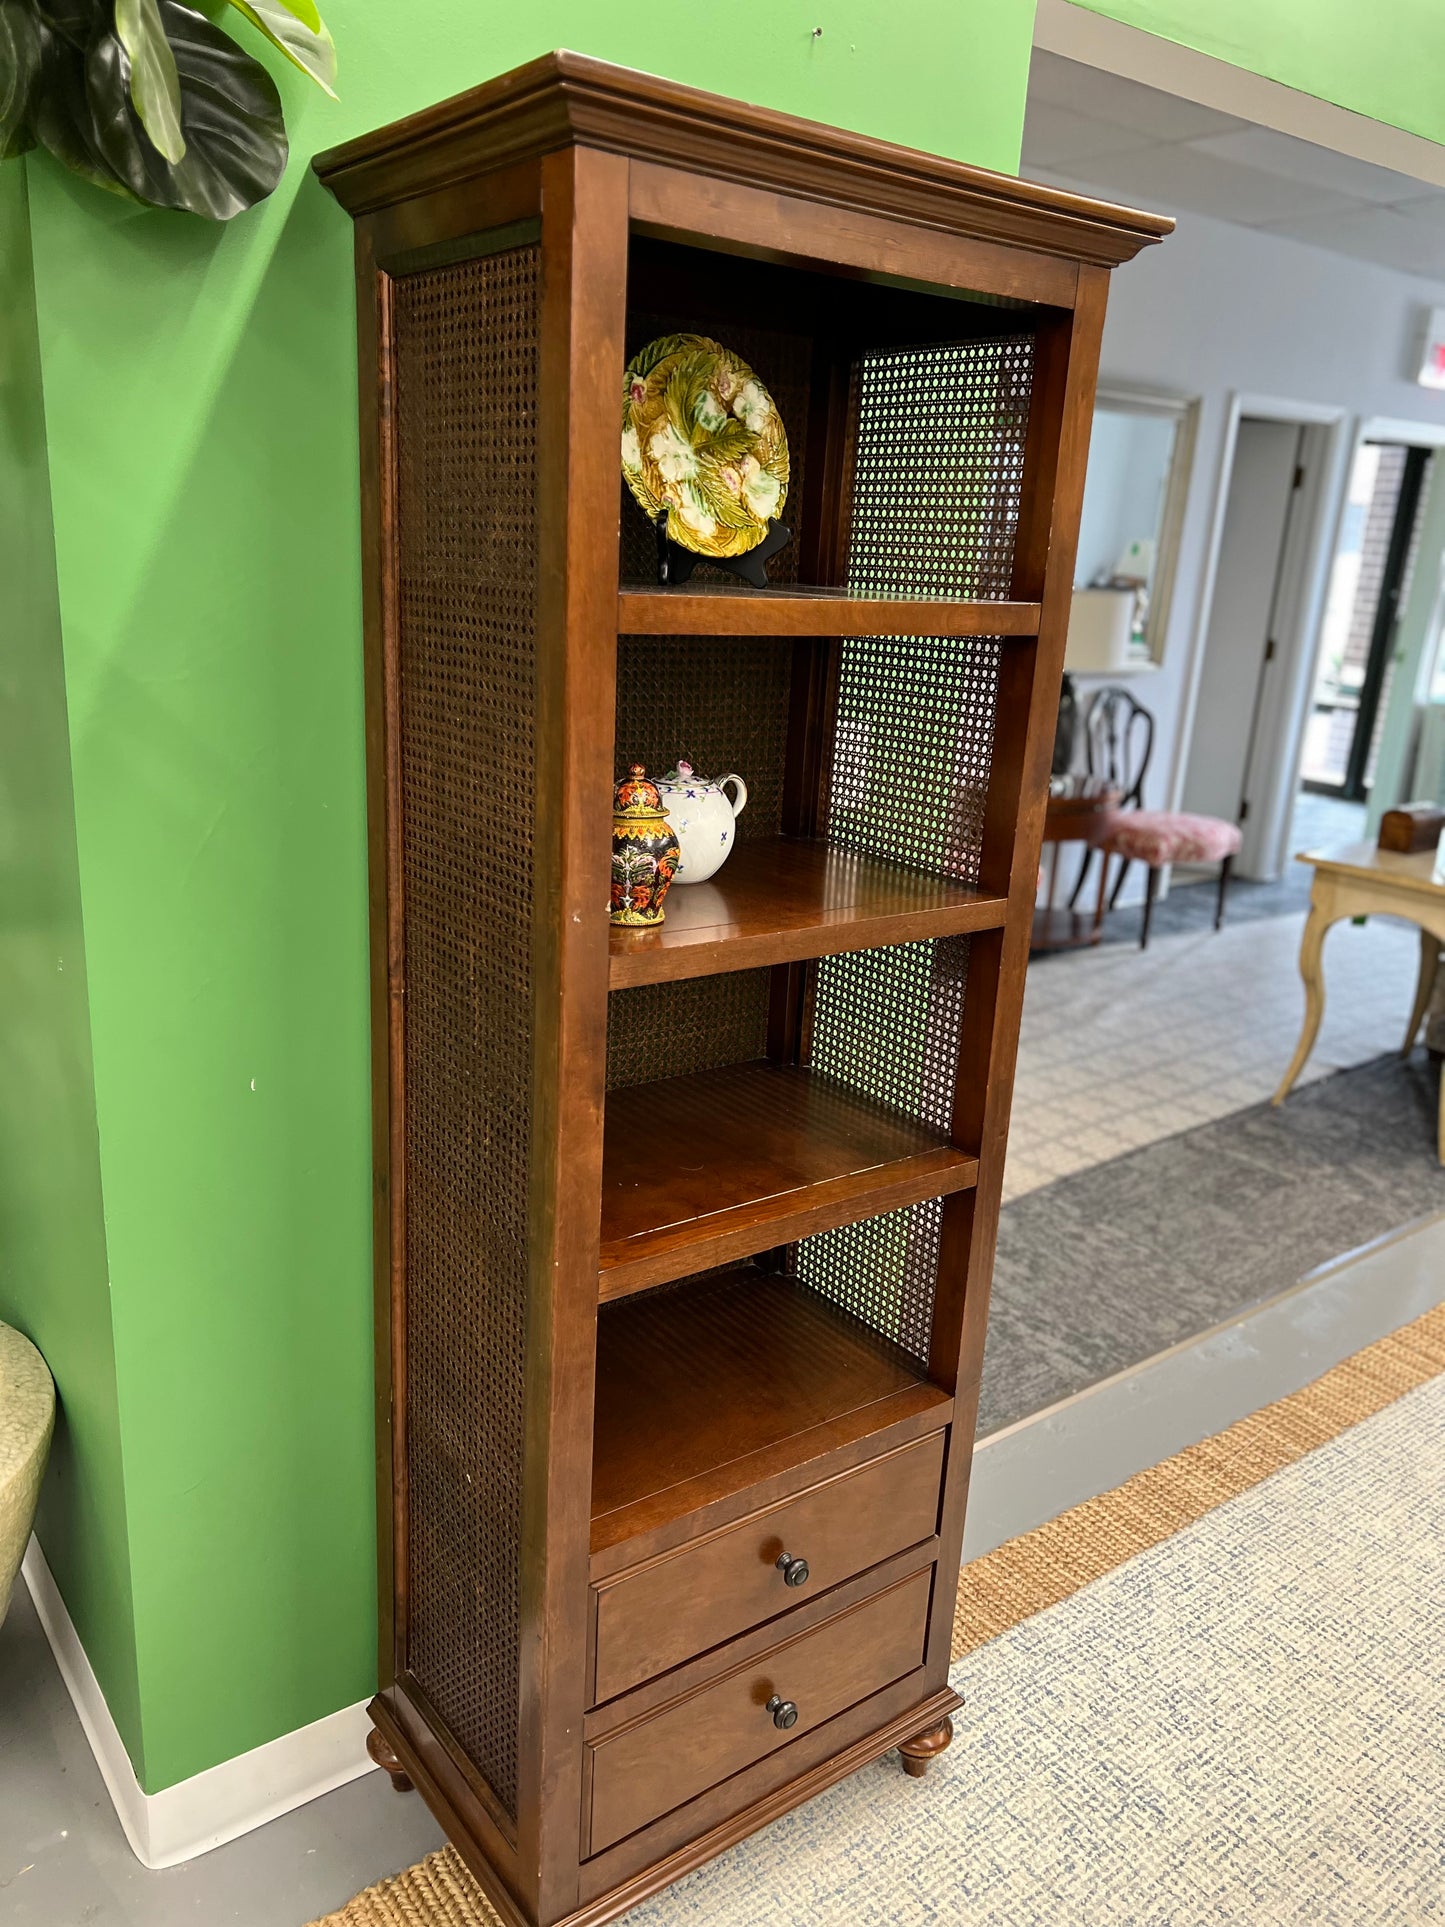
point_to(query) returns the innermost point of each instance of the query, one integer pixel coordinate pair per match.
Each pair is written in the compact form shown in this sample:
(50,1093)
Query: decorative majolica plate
(702,440)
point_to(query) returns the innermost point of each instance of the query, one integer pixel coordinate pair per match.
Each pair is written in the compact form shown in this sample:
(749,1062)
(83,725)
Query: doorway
(1375,552)
(1247,614)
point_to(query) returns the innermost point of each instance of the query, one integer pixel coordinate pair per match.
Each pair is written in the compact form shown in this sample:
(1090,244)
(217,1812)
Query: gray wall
(1218,309)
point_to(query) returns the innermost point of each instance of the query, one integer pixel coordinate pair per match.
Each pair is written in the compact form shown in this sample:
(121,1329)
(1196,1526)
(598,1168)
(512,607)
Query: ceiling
(1132,143)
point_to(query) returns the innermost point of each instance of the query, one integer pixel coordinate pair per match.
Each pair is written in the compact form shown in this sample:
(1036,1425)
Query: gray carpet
(1102,1269)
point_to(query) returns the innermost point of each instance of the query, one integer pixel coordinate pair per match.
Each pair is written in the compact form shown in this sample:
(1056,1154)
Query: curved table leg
(1311,946)
(1424,988)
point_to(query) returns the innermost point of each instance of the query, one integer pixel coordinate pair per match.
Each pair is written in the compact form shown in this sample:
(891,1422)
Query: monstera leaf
(21,53)
(149,99)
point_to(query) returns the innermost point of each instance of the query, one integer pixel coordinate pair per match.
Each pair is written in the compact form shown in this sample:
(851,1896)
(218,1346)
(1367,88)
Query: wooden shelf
(644,609)
(704,1389)
(709,1169)
(783,899)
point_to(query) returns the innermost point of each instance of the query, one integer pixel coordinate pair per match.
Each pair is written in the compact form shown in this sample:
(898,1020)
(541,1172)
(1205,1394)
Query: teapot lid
(684,773)
(636,796)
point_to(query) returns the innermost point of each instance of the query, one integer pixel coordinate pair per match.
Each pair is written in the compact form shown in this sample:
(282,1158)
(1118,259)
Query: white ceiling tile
(1376,234)
(1051,77)
(1123,103)
(1297,160)
(1054,135)
(1132,143)
(1183,177)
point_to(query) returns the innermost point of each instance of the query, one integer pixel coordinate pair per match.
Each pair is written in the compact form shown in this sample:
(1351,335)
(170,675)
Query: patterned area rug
(1115,1264)
(1210,1696)
(1120,1048)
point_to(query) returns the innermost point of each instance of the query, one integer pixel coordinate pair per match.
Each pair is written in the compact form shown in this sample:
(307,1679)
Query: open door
(1358,637)
(1261,510)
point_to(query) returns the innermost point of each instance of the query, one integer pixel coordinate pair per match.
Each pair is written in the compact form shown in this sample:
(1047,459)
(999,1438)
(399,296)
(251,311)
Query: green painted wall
(52,1236)
(1382,58)
(199,389)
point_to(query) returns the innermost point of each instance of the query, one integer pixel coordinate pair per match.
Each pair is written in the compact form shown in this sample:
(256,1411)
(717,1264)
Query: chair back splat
(1119,741)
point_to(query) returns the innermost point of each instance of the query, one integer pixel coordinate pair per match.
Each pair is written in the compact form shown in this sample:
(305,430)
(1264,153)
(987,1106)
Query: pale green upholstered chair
(27,1414)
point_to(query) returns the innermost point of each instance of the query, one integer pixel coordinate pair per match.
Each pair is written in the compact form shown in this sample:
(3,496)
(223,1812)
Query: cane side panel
(939,465)
(466,378)
(938,473)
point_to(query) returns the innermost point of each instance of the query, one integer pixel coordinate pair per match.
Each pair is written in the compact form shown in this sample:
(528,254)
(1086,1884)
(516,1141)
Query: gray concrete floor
(64,1861)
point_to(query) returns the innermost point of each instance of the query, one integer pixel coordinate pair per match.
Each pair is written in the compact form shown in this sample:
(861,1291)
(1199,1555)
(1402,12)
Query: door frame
(1385,626)
(1304,573)
(1417,640)
(1288,740)
(1163,404)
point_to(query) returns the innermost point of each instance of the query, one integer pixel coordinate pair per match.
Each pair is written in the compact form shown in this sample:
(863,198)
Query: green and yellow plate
(702,440)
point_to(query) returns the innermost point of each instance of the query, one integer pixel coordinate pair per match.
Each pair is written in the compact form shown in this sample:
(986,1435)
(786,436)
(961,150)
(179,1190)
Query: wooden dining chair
(1119,741)
(1118,745)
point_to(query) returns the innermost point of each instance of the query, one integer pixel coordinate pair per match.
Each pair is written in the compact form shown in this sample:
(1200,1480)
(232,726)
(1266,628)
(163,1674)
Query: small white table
(1357,880)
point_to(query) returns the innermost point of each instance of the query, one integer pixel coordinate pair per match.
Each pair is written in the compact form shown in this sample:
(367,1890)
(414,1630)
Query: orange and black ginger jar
(644,851)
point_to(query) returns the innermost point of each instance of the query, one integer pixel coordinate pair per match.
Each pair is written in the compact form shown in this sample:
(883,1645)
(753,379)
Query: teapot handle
(742,802)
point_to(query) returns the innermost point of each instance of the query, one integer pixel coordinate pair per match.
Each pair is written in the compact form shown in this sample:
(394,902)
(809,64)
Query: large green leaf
(59,109)
(20,63)
(230,114)
(306,46)
(90,80)
(305,13)
(74,20)
(155,88)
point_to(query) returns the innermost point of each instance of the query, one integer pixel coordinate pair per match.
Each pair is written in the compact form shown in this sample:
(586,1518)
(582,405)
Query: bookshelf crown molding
(567,99)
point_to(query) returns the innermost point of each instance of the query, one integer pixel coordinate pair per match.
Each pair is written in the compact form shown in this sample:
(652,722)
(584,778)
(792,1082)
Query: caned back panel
(466,339)
(698,1024)
(938,473)
(721,702)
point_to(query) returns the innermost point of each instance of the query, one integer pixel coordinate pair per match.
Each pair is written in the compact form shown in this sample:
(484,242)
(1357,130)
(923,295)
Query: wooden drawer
(653,1764)
(655,1616)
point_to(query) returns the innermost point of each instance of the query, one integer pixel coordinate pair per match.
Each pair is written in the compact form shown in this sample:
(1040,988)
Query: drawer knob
(794,1571)
(784,1713)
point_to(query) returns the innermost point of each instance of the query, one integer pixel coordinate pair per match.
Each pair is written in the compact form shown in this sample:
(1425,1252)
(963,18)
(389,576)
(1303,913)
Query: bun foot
(380,1749)
(919,1753)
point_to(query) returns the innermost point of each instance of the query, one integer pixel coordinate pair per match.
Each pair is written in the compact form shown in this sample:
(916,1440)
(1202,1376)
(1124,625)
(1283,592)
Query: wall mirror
(1140,455)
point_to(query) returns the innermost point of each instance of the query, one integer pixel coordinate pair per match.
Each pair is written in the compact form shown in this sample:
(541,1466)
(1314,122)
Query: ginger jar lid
(636,796)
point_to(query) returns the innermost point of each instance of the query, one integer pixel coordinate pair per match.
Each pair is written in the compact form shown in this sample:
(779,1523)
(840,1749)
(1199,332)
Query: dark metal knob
(794,1571)
(784,1713)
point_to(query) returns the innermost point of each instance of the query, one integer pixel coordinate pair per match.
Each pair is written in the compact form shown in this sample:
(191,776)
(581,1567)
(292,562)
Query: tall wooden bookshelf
(684,1236)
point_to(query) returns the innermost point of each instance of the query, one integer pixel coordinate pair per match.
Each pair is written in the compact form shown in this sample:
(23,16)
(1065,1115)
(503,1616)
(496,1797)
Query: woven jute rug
(1010,1587)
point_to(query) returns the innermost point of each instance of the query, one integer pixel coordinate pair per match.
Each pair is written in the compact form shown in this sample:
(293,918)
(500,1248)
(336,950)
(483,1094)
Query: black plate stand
(676,564)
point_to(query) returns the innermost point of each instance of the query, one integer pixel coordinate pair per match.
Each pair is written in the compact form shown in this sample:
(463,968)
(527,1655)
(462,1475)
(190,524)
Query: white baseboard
(212,1807)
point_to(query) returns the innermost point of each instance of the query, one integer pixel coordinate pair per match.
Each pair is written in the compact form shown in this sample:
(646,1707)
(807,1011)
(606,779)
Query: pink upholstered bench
(1157,837)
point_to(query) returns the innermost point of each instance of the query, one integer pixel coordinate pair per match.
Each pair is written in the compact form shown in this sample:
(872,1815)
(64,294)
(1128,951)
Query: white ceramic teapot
(703,819)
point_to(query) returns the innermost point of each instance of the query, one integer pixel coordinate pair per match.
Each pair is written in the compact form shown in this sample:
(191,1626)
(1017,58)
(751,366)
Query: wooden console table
(1357,880)
(1080,810)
